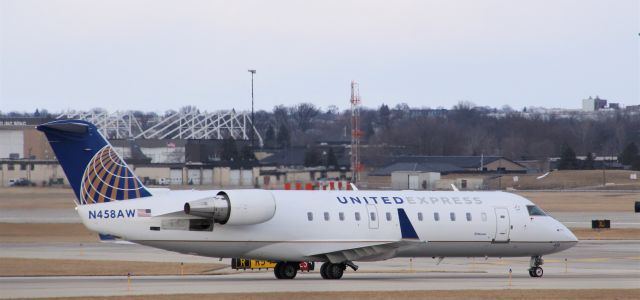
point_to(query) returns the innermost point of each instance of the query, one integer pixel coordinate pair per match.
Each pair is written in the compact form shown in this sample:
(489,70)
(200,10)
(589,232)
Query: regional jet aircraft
(337,228)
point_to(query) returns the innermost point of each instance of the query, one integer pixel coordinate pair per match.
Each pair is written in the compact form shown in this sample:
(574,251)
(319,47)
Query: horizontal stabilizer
(108,238)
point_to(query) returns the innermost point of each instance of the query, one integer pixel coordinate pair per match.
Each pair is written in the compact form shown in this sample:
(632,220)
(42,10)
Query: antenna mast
(356,134)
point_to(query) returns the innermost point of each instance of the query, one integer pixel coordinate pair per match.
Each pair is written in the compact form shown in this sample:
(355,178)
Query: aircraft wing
(367,253)
(376,251)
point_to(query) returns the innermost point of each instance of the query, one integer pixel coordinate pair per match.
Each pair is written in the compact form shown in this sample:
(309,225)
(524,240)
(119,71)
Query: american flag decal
(144,212)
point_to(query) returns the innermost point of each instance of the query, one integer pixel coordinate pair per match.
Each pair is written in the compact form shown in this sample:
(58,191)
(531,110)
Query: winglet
(407,230)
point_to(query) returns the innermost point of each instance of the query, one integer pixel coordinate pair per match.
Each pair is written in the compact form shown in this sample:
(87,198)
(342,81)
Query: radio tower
(356,167)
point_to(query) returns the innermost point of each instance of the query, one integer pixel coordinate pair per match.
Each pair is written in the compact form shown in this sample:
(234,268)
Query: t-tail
(94,170)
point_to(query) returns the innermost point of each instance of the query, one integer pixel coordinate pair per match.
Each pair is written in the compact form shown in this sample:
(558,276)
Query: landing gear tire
(276,271)
(536,272)
(335,271)
(323,270)
(332,271)
(284,270)
(534,266)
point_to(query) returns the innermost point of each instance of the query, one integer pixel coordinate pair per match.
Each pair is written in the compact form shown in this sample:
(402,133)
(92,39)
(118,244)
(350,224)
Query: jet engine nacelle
(235,207)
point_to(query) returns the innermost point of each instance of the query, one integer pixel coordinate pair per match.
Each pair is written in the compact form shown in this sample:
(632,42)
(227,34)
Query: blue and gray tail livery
(95,171)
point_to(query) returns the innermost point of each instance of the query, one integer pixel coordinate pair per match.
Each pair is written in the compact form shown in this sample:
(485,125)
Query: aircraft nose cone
(565,234)
(570,236)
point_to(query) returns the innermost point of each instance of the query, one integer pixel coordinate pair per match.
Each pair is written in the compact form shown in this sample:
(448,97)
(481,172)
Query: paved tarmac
(583,219)
(591,264)
(257,283)
(39,215)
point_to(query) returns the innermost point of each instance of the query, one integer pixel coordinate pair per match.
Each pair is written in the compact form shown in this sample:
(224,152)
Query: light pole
(253,72)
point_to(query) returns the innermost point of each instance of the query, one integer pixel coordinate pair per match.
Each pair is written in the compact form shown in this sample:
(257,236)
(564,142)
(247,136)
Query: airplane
(335,227)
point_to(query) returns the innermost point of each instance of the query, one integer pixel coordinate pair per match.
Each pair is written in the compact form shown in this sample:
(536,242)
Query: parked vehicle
(21,182)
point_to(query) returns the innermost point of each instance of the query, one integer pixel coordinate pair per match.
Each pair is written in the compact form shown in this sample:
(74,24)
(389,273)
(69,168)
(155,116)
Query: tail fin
(95,171)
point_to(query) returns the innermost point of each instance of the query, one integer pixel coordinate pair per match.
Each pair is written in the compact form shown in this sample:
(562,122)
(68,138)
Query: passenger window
(388,216)
(436,216)
(341,216)
(452,216)
(373,216)
(310,216)
(419,216)
(468,216)
(484,217)
(326,216)
(357,216)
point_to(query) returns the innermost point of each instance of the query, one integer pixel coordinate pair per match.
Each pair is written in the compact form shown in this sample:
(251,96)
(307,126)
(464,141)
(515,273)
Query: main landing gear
(534,266)
(289,270)
(286,270)
(330,270)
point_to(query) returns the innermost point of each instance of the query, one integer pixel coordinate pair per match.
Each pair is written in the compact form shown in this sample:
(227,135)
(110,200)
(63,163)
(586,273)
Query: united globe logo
(107,178)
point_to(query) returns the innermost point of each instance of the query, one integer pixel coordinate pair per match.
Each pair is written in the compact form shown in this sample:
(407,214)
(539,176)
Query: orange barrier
(287,186)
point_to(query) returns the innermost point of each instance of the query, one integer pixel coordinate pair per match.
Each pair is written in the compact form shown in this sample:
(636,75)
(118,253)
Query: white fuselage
(307,224)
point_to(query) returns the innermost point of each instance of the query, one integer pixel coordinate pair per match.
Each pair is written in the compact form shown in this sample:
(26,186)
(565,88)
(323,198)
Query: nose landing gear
(534,266)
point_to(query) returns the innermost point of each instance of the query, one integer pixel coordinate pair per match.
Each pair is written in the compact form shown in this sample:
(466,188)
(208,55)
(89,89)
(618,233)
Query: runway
(591,264)
(264,282)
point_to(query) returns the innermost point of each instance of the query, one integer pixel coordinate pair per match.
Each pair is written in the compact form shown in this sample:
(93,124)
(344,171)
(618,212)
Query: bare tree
(302,115)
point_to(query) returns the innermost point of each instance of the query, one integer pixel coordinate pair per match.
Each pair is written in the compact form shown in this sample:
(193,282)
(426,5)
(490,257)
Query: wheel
(323,270)
(289,271)
(335,271)
(531,272)
(278,270)
(538,272)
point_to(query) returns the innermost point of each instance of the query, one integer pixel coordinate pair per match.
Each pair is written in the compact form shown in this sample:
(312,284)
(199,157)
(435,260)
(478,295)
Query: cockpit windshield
(535,211)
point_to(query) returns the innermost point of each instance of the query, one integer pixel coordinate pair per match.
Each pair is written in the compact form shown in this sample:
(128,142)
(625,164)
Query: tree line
(465,129)
(462,130)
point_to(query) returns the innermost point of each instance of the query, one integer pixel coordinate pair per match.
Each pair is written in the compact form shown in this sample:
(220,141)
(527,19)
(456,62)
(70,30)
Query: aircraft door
(372,216)
(503,225)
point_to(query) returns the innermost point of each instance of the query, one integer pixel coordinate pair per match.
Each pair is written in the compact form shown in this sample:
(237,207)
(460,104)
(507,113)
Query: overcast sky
(158,55)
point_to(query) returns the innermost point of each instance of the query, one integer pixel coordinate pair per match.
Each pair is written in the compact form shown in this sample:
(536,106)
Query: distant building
(293,157)
(599,162)
(382,177)
(412,180)
(632,107)
(593,104)
(19,139)
(450,164)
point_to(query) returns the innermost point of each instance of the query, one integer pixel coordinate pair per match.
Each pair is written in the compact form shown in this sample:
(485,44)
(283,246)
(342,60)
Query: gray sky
(158,55)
